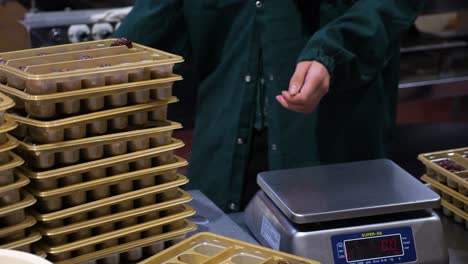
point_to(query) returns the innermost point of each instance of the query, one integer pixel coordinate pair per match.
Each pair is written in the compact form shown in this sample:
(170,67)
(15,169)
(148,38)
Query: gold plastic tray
(453,202)
(445,189)
(26,200)
(10,144)
(7,176)
(15,232)
(211,248)
(51,179)
(180,215)
(459,215)
(71,152)
(114,226)
(64,66)
(28,222)
(73,102)
(11,194)
(457,180)
(5,104)
(92,124)
(18,182)
(169,168)
(81,193)
(39,252)
(74,214)
(133,251)
(25,243)
(149,207)
(6,127)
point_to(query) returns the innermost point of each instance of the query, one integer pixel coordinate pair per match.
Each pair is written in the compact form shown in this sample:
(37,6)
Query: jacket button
(240,141)
(248,78)
(233,206)
(274,147)
(258,4)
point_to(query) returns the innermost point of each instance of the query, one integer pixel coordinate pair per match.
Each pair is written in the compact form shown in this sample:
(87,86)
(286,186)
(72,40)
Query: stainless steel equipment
(360,212)
(71,26)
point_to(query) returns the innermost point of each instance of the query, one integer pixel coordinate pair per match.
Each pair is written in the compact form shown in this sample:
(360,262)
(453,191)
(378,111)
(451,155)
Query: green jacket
(237,46)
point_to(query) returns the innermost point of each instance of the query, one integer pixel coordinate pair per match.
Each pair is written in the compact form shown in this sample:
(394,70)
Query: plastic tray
(11,194)
(143,159)
(459,215)
(62,66)
(459,199)
(456,180)
(121,202)
(7,176)
(211,248)
(57,105)
(6,127)
(24,244)
(14,214)
(10,144)
(16,232)
(71,152)
(92,124)
(148,206)
(148,210)
(5,104)
(458,202)
(39,252)
(81,193)
(131,252)
(128,233)
(112,225)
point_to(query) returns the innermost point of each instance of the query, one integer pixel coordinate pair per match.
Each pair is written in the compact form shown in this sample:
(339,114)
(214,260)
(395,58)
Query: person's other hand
(309,83)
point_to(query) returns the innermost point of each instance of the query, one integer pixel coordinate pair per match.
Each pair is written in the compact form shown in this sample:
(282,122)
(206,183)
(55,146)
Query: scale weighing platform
(360,212)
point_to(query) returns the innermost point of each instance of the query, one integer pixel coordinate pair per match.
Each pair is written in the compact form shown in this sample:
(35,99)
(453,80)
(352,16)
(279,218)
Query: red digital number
(388,245)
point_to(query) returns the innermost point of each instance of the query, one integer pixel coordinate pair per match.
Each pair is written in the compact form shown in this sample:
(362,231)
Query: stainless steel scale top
(344,191)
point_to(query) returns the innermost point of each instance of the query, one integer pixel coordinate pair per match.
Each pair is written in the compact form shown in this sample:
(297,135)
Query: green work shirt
(236,44)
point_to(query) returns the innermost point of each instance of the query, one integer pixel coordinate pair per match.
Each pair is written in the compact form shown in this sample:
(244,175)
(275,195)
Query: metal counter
(210,218)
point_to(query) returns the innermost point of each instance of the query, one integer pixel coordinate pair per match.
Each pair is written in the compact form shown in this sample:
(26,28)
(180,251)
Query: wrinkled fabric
(235,45)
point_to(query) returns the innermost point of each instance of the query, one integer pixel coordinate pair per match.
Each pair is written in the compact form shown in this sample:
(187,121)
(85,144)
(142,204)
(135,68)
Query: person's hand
(309,83)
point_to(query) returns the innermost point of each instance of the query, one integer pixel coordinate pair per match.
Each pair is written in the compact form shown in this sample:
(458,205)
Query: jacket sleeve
(357,45)
(156,23)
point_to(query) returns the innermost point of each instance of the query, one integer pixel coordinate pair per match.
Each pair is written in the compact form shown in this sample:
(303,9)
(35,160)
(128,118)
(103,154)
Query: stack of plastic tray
(15,225)
(447,173)
(211,248)
(99,152)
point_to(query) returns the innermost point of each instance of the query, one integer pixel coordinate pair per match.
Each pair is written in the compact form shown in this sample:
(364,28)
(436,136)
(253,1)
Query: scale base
(272,229)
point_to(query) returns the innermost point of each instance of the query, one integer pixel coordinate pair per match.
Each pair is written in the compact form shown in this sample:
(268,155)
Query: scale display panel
(379,246)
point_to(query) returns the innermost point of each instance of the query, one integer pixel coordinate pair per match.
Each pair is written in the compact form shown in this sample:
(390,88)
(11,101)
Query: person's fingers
(297,80)
(288,106)
(282,101)
(297,99)
(315,84)
(285,104)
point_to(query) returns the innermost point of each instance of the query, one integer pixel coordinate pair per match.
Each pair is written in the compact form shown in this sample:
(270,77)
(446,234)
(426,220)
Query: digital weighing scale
(360,212)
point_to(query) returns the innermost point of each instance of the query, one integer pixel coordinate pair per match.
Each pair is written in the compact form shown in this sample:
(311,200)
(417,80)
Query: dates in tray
(122,42)
(450,165)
